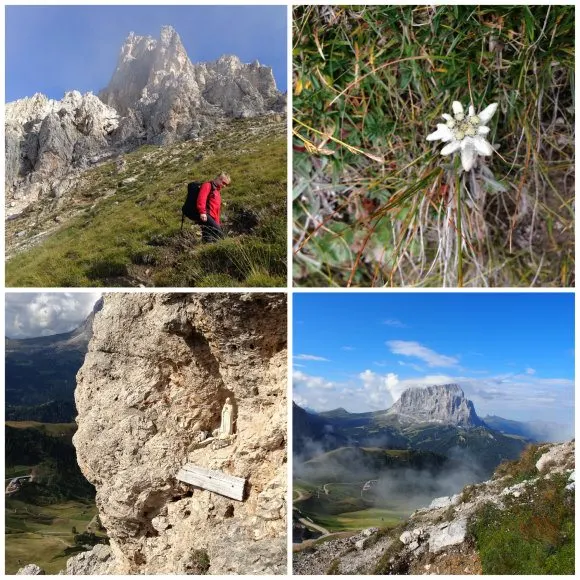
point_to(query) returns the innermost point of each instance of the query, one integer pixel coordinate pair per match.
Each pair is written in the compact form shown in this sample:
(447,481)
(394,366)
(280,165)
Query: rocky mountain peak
(155,95)
(445,404)
(144,64)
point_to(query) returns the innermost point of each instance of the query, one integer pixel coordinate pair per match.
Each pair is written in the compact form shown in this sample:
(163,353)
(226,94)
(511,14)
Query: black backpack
(189,208)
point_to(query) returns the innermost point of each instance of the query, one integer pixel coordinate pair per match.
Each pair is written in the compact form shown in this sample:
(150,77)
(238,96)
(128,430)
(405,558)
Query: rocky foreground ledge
(440,539)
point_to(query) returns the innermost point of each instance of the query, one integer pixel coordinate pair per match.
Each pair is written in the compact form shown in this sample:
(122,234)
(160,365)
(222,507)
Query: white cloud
(530,371)
(411,348)
(381,391)
(312,382)
(394,323)
(347,348)
(300,401)
(30,314)
(415,367)
(310,357)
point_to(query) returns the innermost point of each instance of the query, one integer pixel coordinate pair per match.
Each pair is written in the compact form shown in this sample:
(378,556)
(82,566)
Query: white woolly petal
(483,130)
(443,133)
(487,113)
(457,107)
(447,117)
(451,147)
(482,146)
(468,156)
(471,110)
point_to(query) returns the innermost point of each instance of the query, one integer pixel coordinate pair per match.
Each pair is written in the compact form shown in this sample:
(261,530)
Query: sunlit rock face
(150,396)
(156,95)
(445,404)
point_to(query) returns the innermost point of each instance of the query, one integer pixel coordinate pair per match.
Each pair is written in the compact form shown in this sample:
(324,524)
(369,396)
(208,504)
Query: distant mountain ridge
(437,419)
(537,431)
(40,373)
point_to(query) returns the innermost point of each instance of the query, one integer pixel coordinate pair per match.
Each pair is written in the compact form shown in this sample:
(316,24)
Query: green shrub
(534,535)
(390,562)
(522,468)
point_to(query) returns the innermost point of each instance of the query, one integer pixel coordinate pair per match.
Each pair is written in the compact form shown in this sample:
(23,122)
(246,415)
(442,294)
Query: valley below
(406,490)
(50,509)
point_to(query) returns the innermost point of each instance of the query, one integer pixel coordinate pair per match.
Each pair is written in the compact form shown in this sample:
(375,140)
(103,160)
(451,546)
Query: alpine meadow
(376,203)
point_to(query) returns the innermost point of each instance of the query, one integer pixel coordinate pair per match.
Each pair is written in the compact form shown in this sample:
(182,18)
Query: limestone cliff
(149,396)
(155,95)
(445,404)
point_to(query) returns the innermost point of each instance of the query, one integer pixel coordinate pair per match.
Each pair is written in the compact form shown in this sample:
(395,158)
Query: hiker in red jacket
(209,203)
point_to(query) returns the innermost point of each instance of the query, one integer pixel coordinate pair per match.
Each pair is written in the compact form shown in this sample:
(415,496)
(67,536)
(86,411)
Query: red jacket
(209,200)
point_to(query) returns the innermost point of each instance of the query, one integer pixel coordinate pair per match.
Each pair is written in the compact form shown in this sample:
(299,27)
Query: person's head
(223,179)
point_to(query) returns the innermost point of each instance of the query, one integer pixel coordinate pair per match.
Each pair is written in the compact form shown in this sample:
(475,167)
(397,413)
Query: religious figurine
(227,425)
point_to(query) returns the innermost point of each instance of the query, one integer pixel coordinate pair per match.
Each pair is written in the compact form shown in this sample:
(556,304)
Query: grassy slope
(40,534)
(54,429)
(126,234)
(378,78)
(534,533)
(344,508)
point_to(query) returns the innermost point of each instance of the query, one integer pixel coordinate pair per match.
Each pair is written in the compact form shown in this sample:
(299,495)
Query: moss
(199,562)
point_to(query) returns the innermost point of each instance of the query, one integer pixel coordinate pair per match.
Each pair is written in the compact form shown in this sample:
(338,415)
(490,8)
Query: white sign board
(213,481)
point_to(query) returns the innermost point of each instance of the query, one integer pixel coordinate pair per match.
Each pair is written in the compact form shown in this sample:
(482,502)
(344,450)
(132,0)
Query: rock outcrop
(156,95)
(444,404)
(45,138)
(31,570)
(149,396)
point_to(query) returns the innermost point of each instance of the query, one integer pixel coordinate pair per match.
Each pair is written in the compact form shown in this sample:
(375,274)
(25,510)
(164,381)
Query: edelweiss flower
(465,133)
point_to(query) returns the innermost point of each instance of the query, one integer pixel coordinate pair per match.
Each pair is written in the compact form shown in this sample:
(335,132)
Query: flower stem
(459,236)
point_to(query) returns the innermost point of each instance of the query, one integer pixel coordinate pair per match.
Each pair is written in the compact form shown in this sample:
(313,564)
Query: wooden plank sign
(213,481)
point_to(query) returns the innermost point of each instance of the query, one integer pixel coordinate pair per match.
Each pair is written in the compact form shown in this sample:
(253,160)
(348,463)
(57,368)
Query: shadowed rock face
(445,404)
(149,395)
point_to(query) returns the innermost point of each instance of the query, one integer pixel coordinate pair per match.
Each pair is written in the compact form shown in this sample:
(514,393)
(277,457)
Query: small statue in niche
(227,425)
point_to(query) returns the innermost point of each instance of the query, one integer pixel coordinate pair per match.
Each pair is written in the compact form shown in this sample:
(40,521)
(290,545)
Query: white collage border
(289,290)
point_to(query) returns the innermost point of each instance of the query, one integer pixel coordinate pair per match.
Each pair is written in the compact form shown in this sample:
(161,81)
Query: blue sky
(512,353)
(53,49)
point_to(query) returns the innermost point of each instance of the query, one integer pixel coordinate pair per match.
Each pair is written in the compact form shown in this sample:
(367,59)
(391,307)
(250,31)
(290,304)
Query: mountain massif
(443,404)
(438,419)
(156,95)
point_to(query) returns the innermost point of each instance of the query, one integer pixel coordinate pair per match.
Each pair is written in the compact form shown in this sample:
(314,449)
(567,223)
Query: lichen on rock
(154,382)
